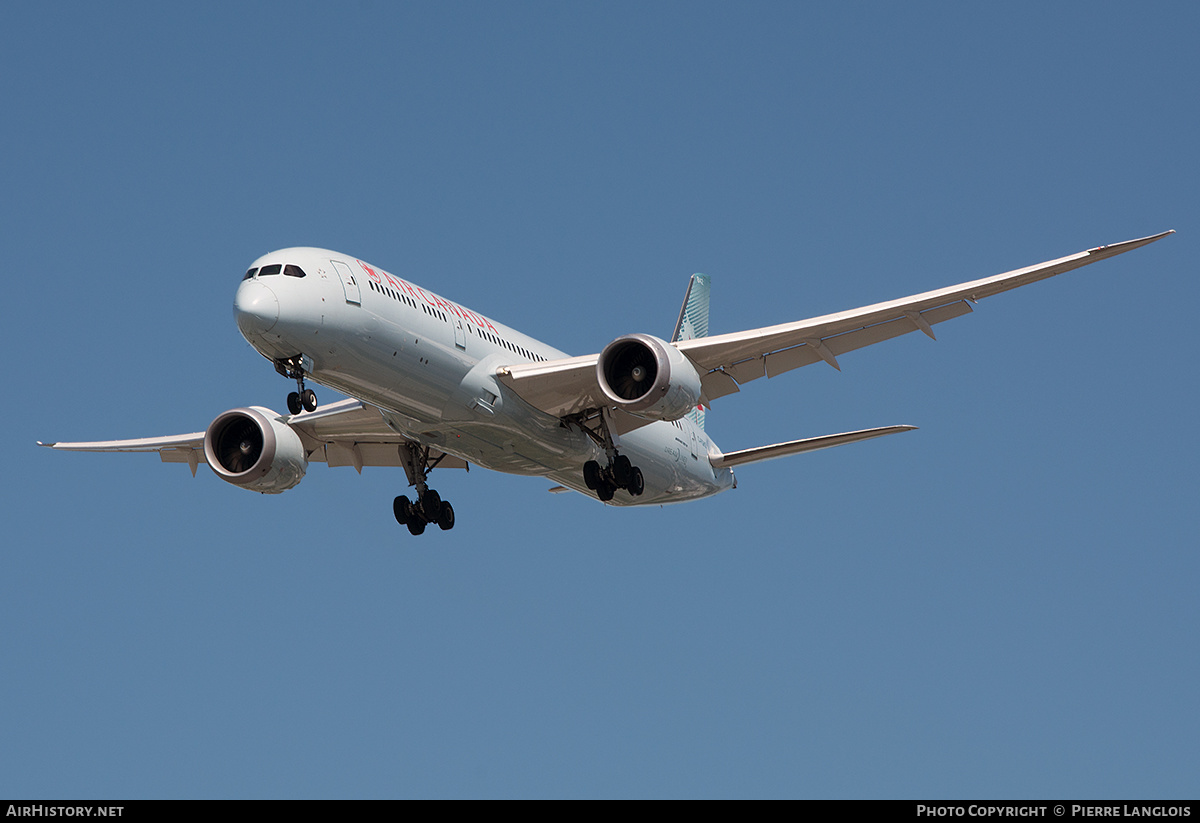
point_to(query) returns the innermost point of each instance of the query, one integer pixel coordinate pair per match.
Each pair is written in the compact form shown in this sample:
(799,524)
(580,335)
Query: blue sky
(1002,604)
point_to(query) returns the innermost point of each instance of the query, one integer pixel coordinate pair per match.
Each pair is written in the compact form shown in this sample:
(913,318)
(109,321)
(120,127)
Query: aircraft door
(460,334)
(349,282)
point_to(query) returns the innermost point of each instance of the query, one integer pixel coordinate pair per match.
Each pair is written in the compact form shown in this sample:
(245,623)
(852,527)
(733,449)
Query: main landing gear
(301,399)
(618,472)
(429,507)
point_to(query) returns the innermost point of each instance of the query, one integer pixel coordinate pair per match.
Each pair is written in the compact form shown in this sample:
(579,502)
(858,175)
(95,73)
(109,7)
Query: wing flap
(344,420)
(352,433)
(183,455)
(717,384)
(359,454)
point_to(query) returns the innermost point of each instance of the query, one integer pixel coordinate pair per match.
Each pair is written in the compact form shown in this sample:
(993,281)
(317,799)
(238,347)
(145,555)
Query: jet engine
(649,377)
(251,448)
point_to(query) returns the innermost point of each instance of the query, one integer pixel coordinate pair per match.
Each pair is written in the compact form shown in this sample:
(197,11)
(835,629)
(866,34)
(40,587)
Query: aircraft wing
(726,361)
(352,433)
(346,433)
(176,448)
(559,387)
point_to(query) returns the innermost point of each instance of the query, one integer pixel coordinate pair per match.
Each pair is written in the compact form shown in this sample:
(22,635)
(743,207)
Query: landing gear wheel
(637,484)
(622,471)
(402,508)
(591,475)
(605,492)
(293,369)
(428,507)
(445,519)
(431,505)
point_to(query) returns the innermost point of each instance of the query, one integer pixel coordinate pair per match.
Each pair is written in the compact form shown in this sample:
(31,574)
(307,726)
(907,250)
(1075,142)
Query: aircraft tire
(445,519)
(416,526)
(293,403)
(605,492)
(637,483)
(402,508)
(591,475)
(308,398)
(431,505)
(622,470)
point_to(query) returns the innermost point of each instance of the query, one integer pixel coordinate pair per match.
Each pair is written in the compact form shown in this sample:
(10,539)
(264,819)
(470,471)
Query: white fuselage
(429,365)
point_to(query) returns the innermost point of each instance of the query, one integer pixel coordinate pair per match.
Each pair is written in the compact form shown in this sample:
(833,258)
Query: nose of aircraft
(255,308)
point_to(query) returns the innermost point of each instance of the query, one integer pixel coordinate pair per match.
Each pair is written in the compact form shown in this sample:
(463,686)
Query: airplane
(434,385)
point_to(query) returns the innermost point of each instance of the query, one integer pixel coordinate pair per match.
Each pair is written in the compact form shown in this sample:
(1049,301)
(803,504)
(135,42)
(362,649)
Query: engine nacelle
(648,377)
(251,448)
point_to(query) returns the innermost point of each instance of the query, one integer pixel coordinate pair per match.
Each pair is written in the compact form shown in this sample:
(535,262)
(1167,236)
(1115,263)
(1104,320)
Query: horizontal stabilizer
(808,444)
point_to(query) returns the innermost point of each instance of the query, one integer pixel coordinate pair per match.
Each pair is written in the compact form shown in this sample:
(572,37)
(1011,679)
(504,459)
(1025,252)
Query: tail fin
(693,323)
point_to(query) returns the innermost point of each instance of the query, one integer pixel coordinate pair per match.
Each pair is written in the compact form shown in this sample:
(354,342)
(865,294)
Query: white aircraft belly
(411,372)
(505,434)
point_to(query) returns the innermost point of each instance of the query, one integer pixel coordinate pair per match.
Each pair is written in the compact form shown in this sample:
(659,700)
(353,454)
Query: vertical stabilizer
(693,322)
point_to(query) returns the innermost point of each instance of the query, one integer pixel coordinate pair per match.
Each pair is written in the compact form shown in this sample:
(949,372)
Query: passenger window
(249,274)
(293,271)
(268,270)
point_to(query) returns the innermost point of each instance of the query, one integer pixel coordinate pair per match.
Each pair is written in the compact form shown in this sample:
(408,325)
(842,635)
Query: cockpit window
(293,271)
(267,270)
(249,274)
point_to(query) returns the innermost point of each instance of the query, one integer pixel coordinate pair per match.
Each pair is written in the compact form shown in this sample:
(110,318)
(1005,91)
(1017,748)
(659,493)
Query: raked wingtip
(1129,245)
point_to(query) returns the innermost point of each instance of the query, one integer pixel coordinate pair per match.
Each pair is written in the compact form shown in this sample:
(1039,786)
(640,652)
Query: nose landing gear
(301,399)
